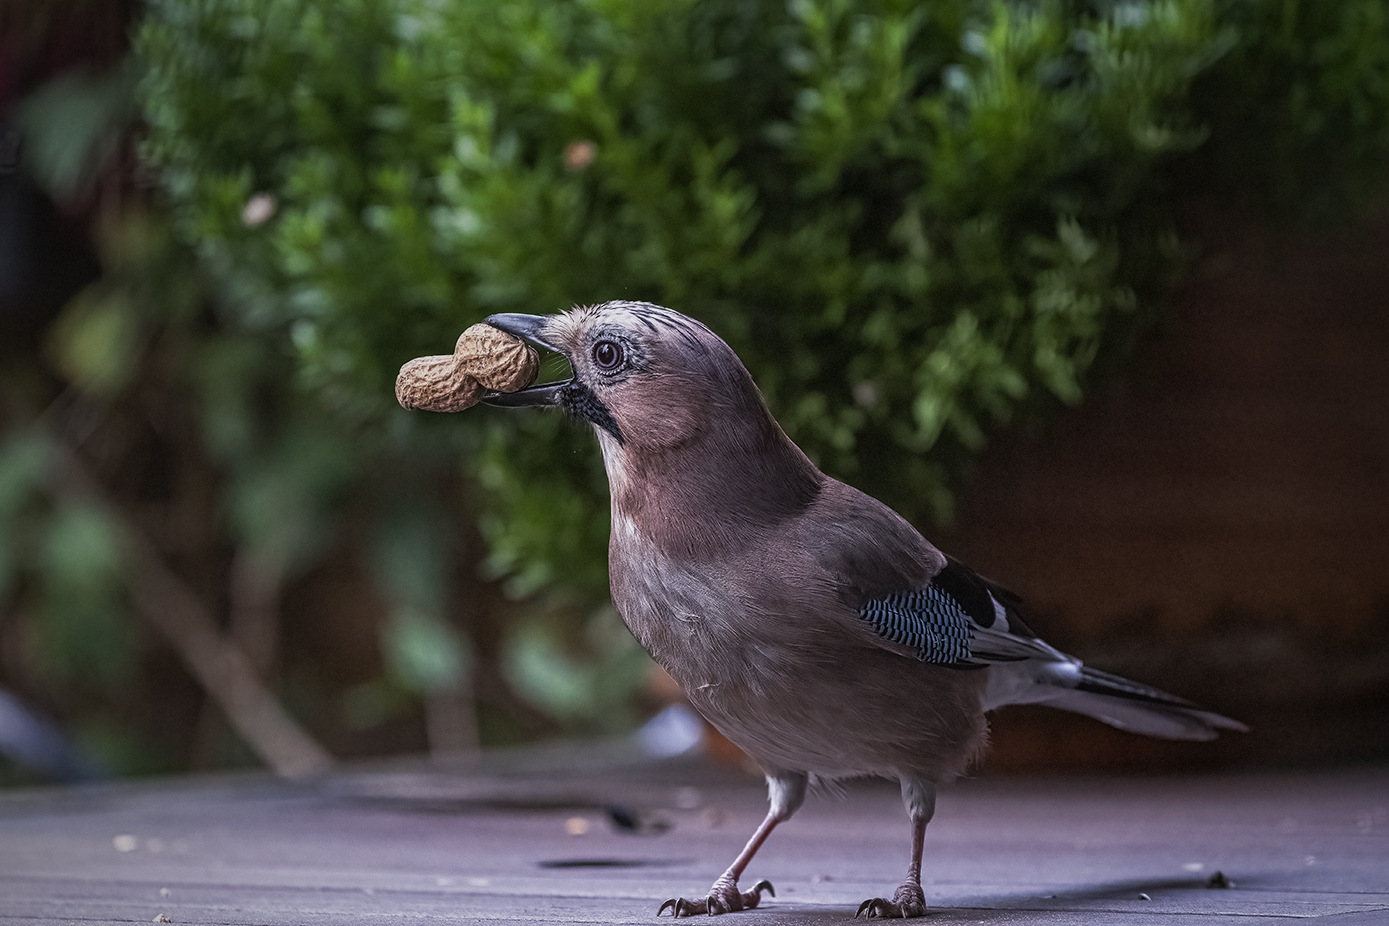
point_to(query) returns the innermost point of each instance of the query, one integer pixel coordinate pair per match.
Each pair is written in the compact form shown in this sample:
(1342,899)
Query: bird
(808,622)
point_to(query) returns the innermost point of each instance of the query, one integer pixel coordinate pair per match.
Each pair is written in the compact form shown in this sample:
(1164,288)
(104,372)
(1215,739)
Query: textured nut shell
(484,358)
(430,383)
(496,359)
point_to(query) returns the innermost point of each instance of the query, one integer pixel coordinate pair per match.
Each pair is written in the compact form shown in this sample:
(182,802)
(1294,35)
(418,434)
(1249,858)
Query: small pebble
(1218,880)
(576,826)
(161,918)
(1144,897)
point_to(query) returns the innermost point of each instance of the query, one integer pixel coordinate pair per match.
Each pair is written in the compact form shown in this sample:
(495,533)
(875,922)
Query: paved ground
(529,839)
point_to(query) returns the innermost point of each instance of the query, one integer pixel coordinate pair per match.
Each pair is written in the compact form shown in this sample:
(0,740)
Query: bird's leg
(909,900)
(787,792)
(724,896)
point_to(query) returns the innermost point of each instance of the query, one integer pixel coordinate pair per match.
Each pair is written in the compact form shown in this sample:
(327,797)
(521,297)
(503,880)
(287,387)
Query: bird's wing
(958,619)
(964,621)
(897,592)
(903,595)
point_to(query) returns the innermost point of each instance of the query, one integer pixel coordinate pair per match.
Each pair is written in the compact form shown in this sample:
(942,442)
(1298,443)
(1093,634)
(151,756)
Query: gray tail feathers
(1108,698)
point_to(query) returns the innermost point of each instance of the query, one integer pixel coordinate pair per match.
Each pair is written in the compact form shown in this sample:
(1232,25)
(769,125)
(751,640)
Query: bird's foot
(724,897)
(908,901)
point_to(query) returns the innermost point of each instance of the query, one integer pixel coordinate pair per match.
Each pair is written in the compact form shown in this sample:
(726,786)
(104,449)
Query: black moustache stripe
(579,400)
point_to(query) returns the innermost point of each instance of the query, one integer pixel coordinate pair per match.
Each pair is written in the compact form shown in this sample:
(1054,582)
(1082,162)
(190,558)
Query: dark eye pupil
(607,354)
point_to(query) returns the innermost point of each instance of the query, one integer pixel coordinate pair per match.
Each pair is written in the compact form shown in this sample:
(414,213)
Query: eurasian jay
(811,624)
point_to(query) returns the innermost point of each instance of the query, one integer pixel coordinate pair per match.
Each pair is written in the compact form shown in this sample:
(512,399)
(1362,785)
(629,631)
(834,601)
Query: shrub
(915,221)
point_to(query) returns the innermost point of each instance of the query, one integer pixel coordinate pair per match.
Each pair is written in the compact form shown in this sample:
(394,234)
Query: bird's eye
(607,355)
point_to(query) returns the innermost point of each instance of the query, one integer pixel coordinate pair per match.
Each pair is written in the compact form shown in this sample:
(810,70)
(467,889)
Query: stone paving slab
(530,838)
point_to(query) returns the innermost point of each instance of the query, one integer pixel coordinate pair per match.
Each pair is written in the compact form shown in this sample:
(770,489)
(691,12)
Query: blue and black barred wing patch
(959,619)
(927,620)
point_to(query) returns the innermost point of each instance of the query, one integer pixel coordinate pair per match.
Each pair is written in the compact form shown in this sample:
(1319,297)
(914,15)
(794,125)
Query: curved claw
(904,906)
(876,906)
(681,907)
(762,885)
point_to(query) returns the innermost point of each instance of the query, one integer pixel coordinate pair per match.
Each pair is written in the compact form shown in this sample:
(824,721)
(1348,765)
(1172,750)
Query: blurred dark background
(1219,519)
(1094,292)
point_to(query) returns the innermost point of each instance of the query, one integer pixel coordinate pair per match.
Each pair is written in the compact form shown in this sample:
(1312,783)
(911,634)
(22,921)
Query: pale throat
(613,461)
(637,519)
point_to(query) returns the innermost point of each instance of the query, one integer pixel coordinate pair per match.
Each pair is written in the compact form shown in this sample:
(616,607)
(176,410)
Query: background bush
(917,224)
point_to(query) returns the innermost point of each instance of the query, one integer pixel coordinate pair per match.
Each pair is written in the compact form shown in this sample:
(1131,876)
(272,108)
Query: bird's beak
(529,328)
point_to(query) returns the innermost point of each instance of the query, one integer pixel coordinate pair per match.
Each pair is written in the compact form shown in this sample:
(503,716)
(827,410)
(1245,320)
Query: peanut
(484,358)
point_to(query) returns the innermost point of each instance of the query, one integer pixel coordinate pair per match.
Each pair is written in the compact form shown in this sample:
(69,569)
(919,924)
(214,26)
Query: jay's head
(662,391)
(646,377)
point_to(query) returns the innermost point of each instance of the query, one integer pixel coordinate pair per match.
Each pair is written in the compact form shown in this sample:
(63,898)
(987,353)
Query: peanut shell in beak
(484,359)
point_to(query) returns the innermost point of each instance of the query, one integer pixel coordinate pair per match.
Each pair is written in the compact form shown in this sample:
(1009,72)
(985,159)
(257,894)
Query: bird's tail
(1127,705)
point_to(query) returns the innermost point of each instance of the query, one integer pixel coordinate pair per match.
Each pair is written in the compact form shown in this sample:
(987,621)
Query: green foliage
(421,651)
(82,622)
(70,125)
(913,221)
(94,342)
(1299,110)
(284,472)
(551,666)
(908,219)
(80,634)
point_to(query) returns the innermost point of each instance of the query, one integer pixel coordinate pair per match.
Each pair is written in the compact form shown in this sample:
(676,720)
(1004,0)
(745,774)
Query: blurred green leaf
(572,686)
(83,622)
(70,125)
(82,551)
(95,341)
(424,654)
(24,462)
(370,704)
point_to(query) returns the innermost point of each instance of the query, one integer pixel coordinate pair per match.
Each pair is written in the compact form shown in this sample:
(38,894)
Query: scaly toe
(753,897)
(724,897)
